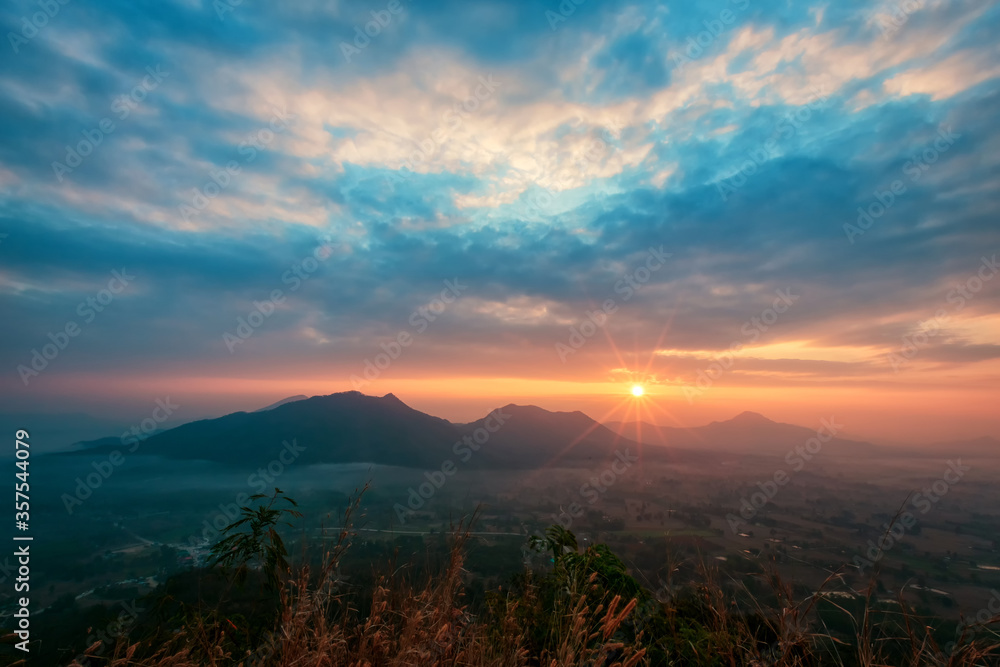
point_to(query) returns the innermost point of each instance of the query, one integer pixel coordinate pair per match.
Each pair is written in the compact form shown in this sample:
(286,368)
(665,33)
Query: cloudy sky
(783,207)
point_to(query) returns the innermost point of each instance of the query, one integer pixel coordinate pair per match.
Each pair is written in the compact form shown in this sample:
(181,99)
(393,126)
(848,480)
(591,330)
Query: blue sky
(532,151)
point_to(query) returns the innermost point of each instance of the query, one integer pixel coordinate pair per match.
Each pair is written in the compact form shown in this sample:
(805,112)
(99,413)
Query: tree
(595,568)
(262,546)
(557,539)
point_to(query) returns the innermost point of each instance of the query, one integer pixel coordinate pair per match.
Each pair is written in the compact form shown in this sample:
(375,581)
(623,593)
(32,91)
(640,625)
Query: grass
(577,606)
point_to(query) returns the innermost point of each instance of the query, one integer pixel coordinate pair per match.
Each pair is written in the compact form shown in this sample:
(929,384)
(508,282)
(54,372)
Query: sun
(637,390)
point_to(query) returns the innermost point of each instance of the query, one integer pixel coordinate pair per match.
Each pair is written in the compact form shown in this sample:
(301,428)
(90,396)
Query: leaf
(255,542)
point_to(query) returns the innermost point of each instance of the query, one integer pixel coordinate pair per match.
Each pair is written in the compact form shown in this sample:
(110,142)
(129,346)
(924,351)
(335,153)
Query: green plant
(259,544)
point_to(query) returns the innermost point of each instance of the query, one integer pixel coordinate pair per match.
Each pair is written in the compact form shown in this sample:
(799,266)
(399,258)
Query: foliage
(582,607)
(259,544)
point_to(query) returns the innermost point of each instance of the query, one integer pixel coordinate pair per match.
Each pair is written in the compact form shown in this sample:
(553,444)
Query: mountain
(532,437)
(341,428)
(747,432)
(290,399)
(55,432)
(351,427)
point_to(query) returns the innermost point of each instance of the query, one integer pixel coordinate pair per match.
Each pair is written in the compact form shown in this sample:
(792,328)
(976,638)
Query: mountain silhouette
(290,399)
(351,427)
(533,437)
(340,428)
(746,433)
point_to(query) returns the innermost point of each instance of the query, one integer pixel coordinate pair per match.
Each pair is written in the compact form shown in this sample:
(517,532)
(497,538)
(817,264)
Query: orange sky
(905,412)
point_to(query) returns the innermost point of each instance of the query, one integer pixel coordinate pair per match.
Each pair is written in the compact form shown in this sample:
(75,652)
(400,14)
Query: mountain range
(351,427)
(746,432)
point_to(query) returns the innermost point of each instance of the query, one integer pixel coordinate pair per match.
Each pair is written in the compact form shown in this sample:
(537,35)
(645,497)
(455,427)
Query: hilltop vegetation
(568,605)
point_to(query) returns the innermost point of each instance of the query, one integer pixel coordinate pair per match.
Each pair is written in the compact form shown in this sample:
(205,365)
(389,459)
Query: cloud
(473,141)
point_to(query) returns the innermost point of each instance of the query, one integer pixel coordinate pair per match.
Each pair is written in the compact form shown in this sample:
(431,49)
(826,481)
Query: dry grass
(430,626)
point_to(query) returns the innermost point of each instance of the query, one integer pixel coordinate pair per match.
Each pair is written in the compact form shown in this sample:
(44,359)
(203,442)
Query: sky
(790,208)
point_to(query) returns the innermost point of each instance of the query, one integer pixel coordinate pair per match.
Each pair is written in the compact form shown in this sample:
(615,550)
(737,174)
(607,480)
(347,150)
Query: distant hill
(746,433)
(353,428)
(54,432)
(533,437)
